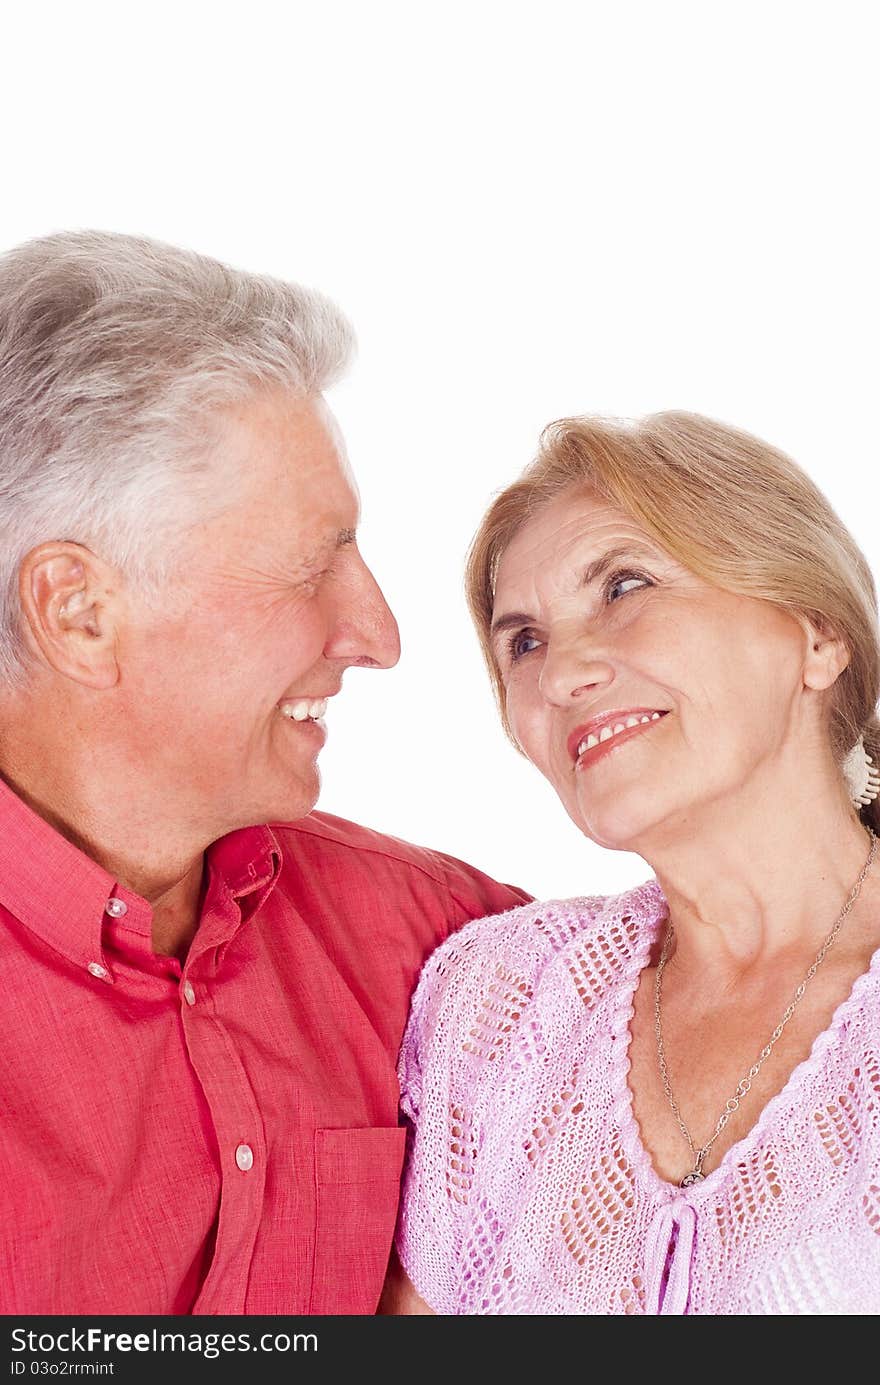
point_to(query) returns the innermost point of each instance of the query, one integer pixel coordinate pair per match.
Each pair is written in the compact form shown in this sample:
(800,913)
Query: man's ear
(826,655)
(70,603)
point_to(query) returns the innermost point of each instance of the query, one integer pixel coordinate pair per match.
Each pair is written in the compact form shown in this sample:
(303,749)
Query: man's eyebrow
(331,544)
(591,573)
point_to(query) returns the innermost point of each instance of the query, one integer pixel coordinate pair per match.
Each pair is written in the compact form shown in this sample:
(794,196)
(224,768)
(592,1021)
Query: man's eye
(316,580)
(623,582)
(520,644)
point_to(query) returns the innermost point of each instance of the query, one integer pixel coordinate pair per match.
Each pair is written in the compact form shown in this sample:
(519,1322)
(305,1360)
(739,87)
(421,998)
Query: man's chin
(292,807)
(290,803)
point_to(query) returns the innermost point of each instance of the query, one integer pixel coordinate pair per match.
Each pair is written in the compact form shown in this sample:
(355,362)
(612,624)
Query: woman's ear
(826,655)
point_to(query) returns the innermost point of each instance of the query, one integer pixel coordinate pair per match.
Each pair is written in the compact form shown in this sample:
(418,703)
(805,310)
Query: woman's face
(644,694)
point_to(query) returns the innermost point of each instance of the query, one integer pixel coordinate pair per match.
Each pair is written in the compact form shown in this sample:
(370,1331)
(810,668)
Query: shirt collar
(248,861)
(62,895)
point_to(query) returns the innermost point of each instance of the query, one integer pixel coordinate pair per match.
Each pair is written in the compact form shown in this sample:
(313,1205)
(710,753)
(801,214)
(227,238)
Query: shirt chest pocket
(357,1176)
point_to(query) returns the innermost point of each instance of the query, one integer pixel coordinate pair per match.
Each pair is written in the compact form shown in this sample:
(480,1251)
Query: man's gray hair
(116,354)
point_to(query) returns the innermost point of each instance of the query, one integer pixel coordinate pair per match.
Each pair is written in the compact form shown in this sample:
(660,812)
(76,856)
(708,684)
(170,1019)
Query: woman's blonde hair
(733,510)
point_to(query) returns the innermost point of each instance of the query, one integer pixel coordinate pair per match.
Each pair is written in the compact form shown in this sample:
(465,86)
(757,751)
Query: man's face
(275,603)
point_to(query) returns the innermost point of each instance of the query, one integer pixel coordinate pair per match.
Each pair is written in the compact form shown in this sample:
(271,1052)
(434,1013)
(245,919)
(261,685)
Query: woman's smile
(590,611)
(608,731)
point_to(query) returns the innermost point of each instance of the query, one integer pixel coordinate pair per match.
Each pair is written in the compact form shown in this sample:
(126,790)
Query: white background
(528,210)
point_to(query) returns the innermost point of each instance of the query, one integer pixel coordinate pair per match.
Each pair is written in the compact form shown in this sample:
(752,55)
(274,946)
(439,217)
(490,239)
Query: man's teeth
(304,709)
(608,731)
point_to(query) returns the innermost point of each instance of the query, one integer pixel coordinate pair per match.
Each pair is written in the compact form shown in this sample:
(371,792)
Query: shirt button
(116,908)
(189,994)
(244,1157)
(101,972)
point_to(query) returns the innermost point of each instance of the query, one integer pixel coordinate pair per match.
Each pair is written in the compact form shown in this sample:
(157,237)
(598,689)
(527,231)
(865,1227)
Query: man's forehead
(282,426)
(331,423)
(291,450)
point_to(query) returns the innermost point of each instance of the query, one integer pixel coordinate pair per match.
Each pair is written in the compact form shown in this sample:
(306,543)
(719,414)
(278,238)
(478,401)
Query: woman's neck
(759,888)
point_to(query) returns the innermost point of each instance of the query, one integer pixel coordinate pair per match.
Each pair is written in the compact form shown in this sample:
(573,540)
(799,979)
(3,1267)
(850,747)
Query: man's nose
(573,666)
(364,631)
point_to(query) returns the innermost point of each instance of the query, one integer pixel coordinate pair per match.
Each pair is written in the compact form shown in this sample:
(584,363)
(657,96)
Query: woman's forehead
(572,529)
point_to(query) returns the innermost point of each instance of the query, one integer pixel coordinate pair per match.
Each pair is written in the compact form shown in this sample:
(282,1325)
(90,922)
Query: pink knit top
(528,1189)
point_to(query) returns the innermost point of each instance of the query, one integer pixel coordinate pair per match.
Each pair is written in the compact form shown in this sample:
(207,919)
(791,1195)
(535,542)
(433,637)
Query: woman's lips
(608,738)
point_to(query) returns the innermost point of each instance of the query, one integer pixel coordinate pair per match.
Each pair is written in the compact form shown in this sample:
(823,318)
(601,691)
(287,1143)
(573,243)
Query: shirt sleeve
(476,895)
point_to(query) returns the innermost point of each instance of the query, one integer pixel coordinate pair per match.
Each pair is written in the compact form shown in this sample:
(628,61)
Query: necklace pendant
(690,1178)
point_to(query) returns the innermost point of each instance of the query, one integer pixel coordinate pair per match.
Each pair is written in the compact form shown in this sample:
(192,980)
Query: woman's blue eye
(522,643)
(620,579)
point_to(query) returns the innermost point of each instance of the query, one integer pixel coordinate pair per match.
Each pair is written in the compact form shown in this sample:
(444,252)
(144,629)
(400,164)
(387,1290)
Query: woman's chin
(614,826)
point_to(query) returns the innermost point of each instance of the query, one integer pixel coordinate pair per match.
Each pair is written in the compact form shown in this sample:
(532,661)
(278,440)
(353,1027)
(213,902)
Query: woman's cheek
(528,724)
(515,719)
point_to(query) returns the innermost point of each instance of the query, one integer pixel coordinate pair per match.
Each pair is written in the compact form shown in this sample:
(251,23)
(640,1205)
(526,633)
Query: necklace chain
(745,1083)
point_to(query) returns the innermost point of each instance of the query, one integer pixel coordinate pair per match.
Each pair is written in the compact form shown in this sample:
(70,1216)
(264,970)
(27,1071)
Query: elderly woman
(666,1101)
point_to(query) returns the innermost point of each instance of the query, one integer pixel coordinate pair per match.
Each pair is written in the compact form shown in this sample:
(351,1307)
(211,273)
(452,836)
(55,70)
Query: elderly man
(204,982)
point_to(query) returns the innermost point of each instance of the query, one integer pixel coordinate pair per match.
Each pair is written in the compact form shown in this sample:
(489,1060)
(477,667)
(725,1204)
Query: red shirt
(219,1136)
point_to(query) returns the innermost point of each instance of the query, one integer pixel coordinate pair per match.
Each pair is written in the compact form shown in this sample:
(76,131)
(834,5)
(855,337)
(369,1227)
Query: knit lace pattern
(527,1188)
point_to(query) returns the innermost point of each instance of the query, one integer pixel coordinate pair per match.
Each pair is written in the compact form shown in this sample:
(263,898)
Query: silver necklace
(698,1156)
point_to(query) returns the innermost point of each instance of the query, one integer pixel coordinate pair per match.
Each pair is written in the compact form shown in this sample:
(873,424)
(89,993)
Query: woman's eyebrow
(591,573)
(508,621)
(599,566)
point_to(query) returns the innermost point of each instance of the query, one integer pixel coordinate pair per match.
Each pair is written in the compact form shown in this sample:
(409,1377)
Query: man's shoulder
(321,834)
(352,852)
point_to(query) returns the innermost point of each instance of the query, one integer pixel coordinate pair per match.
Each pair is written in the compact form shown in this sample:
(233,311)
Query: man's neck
(176,913)
(139,858)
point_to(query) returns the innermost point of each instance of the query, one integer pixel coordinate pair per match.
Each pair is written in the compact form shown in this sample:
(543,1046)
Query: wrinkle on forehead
(556,546)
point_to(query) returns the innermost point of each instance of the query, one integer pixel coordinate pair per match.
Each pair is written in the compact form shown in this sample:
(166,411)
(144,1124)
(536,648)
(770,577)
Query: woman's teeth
(304,709)
(608,731)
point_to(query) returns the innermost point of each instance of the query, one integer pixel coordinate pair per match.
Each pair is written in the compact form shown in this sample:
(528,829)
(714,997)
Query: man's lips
(617,717)
(309,696)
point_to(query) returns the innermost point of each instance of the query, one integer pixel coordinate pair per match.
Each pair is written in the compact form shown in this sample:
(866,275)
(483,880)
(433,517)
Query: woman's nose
(570,669)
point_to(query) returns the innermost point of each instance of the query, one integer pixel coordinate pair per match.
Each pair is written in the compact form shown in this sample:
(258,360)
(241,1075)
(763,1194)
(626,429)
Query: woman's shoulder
(532,934)
(529,966)
(516,953)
